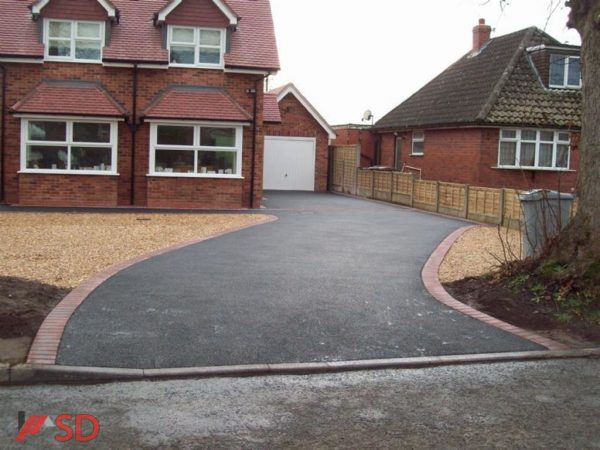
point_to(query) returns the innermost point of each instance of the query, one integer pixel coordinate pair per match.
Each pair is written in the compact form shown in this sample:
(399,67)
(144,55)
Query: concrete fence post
(392,173)
(372,184)
(502,204)
(414,190)
(437,196)
(467,189)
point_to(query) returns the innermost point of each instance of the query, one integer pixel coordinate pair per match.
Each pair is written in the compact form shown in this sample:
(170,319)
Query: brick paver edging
(433,285)
(44,349)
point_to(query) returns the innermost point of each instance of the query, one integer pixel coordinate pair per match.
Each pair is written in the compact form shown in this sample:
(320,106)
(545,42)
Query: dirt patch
(479,251)
(517,308)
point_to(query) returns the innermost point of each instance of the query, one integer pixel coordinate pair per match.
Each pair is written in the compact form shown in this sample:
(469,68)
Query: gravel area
(64,249)
(479,251)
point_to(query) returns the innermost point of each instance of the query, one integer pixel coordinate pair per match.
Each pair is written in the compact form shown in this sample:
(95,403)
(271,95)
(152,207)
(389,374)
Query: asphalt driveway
(334,279)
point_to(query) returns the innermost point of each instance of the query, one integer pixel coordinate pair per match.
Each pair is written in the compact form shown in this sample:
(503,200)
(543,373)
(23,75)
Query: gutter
(3,134)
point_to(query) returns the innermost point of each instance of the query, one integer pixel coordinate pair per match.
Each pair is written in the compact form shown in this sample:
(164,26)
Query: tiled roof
(496,86)
(271,109)
(82,98)
(135,38)
(195,103)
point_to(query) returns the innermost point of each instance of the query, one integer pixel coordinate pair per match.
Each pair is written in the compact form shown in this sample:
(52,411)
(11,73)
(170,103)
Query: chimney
(481,34)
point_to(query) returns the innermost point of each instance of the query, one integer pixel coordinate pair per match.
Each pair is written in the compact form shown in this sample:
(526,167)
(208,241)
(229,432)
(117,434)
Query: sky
(347,56)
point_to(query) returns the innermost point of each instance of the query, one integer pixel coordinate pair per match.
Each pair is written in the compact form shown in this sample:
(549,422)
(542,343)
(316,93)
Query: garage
(296,150)
(289,163)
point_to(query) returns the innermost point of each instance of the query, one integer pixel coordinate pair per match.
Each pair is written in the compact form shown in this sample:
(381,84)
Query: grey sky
(347,56)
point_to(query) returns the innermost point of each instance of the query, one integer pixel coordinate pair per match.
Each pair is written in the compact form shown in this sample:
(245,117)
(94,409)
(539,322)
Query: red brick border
(44,349)
(434,286)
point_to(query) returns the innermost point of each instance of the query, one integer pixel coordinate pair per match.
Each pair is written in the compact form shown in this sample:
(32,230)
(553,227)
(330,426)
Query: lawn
(43,256)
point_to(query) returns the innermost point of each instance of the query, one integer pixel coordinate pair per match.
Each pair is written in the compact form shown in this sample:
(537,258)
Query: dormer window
(69,40)
(196,47)
(565,71)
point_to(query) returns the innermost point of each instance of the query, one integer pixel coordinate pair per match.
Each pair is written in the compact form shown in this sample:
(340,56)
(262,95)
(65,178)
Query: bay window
(68,40)
(68,146)
(534,149)
(199,47)
(196,150)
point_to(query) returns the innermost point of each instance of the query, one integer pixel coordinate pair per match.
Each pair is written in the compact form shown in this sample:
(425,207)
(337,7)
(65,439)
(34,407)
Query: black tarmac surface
(333,279)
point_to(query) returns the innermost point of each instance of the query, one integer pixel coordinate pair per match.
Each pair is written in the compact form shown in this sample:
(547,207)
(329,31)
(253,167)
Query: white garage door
(289,164)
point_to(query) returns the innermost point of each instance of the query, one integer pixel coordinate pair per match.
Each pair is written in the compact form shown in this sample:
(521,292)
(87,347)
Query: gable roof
(271,111)
(161,16)
(195,103)
(135,38)
(38,5)
(282,91)
(72,97)
(497,86)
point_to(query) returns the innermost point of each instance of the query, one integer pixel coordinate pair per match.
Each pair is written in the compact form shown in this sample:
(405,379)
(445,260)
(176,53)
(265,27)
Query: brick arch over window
(74,10)
(201,13)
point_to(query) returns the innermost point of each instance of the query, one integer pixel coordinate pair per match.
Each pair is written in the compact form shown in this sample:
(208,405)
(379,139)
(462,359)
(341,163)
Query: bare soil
(518,308)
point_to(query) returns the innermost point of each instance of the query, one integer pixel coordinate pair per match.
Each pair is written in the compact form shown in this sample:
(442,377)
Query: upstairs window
(74,40)
(534,149)
(565,71)
(198,47)
(418,143)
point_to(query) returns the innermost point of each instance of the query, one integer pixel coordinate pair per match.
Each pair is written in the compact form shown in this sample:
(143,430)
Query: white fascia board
(51,117)
(37,7)
(291,89)
(168,9)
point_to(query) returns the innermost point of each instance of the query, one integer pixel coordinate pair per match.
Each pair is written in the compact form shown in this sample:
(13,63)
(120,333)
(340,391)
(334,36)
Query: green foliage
(518,281)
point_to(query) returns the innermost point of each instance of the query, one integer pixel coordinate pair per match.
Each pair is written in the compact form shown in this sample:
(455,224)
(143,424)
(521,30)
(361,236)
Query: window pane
(418,147)
(182,55)
(91,158)
(183,35)
(557,70)
(574,72)
(564,137)
(217,137)
(59,30)
(509,134)
(418,135)
(210,37)
(562,156)
(174,161)
(59,48)
(527,155)
(41,157)
(167,135)
(91,132)
(88,30)
(88,50)
(217,162)
(508,153)
(210,56)
(547,136)
(47,131)
(545,159)
(528,135)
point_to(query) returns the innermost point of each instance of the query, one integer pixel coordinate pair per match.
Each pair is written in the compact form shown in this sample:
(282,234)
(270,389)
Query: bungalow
(145,103)
(507,114)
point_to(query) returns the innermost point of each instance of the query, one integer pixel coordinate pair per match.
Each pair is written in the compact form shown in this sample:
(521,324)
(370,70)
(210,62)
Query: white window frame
(518,140)
(565,83)
(197,46)
(73,40)
(417,136)
(113,144)
(196,147)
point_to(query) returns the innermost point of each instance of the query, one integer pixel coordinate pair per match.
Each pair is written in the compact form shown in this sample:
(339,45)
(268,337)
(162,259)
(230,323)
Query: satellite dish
(367,115)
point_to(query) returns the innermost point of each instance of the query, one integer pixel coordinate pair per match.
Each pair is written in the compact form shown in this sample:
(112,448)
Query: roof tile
(271,109)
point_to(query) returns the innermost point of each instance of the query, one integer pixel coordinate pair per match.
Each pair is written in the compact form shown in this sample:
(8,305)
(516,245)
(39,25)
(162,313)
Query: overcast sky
(347,56)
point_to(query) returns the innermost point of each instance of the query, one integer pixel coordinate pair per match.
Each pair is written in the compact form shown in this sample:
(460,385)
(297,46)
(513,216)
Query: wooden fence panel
(402,192)
(452,199)
(365,183)
(345,161)
(425,195)
(513,214)
(382,185)
(485,205)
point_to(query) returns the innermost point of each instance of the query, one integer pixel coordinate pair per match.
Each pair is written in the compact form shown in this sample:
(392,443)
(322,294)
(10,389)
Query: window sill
(68,60)
(69,172)
(199,66)
(417,154)
(195,175)
(533,169)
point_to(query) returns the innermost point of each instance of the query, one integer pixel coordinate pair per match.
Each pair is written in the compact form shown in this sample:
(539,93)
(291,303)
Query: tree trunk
(580,243)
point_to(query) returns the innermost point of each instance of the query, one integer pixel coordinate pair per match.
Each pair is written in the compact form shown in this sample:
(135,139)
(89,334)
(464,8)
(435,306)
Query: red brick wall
(67,190)
(193,193)
(362,137)
(469,156)
(296,121)
(203,13)
(118,81)
(74,10)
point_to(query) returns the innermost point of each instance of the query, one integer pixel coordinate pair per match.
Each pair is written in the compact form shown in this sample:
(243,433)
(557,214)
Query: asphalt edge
(431,280)
(44,349)
(32,374)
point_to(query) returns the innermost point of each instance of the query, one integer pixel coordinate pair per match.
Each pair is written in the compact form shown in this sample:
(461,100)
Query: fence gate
(345,160)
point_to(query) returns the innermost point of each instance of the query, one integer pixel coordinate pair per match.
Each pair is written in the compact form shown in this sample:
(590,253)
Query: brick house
(152,103)
(507,114)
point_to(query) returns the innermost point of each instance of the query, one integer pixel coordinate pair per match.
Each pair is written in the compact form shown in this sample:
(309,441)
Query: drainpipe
(3,134)
(254,92)
(133,126)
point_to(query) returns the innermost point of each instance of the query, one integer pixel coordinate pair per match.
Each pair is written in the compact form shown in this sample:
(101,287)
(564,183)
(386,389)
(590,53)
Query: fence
(480,204)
